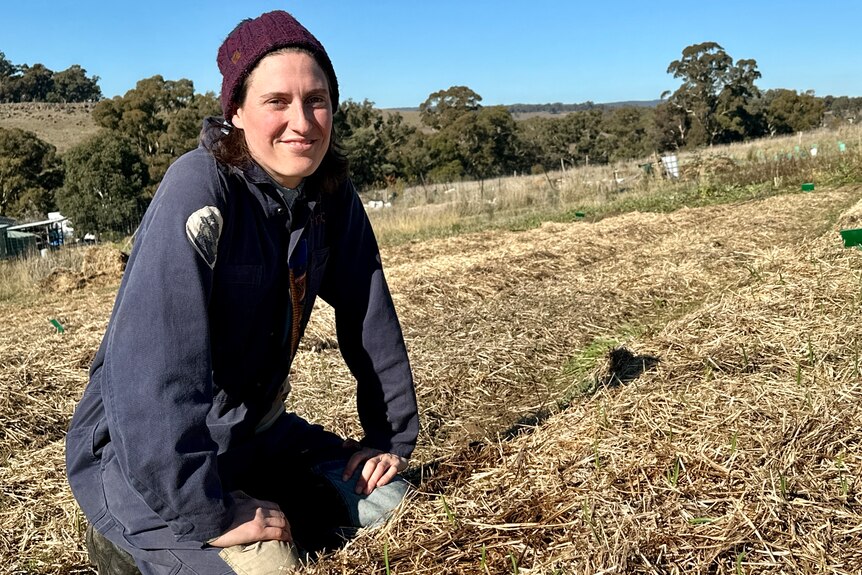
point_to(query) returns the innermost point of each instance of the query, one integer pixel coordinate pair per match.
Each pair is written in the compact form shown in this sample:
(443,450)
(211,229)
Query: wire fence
(38,239)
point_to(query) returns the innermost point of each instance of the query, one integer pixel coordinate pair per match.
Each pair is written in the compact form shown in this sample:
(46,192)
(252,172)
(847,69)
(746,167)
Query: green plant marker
(851,237)
(842,147)
(57,325)
(580,215)
(807,187)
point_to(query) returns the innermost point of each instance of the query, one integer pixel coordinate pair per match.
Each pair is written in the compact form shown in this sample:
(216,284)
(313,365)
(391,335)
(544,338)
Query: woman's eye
(317,101)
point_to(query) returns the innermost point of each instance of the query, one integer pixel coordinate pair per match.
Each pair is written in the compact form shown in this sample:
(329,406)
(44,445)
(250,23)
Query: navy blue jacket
(218,289)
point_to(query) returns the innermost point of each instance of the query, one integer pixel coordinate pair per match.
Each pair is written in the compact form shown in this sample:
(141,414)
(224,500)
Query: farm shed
(16,243)
(5,222)
(46,234)
(4,251)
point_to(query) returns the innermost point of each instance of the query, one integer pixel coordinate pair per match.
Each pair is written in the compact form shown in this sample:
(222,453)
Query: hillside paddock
(646,393)
(63,125)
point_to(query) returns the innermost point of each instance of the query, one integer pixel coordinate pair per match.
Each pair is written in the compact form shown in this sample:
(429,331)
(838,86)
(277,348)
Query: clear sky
(396,52)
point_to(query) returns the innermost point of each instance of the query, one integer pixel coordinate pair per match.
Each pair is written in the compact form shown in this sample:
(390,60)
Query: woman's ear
(237,119)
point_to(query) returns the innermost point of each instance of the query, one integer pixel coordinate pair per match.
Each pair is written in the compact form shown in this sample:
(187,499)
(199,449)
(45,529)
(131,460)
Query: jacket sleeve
(369,334)
(157,386)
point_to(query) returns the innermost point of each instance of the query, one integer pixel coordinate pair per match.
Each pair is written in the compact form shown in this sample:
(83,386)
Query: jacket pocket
(83,470)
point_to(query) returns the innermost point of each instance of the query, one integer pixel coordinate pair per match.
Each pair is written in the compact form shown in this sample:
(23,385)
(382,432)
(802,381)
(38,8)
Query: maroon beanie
(253,39)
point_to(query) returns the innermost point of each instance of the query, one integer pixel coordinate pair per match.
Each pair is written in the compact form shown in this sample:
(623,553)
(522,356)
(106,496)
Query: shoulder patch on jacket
(203,228)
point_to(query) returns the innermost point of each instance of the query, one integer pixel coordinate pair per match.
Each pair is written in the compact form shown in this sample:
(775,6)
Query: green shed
(4,249)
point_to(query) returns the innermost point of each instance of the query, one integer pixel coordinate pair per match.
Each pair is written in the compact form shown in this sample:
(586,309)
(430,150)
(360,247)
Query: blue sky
(396,53)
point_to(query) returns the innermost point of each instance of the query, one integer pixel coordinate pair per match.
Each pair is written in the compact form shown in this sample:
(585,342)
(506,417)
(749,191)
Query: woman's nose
(299,118)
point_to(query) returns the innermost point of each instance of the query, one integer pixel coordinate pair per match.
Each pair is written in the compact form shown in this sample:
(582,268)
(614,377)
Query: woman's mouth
(298,144)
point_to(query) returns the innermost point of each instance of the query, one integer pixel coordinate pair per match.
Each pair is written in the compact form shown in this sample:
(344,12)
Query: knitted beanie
(253,39)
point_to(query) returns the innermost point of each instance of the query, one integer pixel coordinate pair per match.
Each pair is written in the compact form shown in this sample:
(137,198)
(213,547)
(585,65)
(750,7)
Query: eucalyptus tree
(716,95)
(105,179)
(30,171)
(787,112)
(444,106)
(162,118)
(469,139)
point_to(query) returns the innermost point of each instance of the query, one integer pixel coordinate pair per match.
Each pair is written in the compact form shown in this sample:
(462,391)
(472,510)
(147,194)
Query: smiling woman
(181,453)
(286,114)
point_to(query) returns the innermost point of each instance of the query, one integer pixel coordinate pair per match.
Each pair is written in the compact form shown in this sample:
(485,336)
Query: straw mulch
(725,439)
(704,167)
(714,460)
(739,453)
(98,267)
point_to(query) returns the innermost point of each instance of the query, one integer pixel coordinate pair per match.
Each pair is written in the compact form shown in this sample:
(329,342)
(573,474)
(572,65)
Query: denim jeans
(359,511)
(323,511)
(363,510)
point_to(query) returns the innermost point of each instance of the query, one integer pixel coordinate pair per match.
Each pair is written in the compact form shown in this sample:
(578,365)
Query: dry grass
(739,452)
(63,125)
(62,270)
(752,170)
(672,466)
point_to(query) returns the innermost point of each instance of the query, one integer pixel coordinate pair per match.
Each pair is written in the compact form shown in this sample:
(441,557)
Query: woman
(180,452)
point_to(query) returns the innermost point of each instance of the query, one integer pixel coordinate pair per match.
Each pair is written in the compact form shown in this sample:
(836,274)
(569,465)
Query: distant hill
(524,111)
(62,125)
(560,108)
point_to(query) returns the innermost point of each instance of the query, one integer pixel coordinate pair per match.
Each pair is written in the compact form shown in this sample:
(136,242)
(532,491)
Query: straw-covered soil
(722,435)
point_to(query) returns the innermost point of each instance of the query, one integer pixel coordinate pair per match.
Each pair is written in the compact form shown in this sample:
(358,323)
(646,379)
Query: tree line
(36,83)
(718,102)
(104,183)
(107,180)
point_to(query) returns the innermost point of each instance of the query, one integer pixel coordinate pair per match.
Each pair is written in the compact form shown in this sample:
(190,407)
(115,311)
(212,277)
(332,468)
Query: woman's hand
(379,469)
(255,520)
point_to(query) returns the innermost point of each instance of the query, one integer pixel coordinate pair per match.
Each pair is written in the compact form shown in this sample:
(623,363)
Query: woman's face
(286,116)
